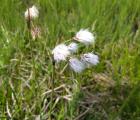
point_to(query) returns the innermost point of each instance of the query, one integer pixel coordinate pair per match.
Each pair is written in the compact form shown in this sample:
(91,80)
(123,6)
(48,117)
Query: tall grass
(108,91)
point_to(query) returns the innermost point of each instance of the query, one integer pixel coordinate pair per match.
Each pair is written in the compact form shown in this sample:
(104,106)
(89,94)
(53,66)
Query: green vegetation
(109,91)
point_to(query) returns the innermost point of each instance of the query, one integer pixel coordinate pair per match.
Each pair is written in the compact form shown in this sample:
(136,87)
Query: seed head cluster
(63,52)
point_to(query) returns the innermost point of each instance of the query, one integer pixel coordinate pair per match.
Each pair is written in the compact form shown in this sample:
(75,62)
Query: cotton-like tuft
(60,52)
(85,37)
(76,65)
(73,47)
(31,13)
(90,59)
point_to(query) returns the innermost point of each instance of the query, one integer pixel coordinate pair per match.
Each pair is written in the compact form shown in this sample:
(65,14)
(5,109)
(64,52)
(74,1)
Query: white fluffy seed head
(90,59)
(60,52)
(85,37)
(76,65)
(31,13)
(73,47)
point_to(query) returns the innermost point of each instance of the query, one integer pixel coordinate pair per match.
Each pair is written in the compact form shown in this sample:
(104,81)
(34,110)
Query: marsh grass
(109,91)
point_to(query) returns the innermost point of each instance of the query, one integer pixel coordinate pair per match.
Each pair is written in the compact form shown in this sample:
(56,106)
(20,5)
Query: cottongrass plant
(31,14)
(63,52)
(69,55)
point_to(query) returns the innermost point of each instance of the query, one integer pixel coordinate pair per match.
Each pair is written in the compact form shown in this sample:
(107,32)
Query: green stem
(52,86)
